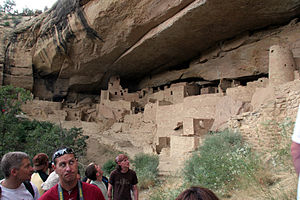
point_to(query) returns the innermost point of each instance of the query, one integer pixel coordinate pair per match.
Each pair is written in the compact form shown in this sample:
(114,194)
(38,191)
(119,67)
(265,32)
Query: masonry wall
(245,93)
(201,107)
(121,104)
(150,112)
(182,145)
(167,118)
(283,106)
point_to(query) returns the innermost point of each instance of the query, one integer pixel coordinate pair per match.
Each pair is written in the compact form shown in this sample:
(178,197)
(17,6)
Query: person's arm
(135,192)
(109,191)
(295,152)
(295,147)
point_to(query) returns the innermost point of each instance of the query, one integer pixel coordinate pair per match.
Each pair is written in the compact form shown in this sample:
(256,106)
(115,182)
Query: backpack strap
(105,181)
(29,187)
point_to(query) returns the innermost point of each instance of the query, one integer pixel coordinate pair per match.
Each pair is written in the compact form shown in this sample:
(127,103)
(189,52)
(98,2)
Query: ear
(13,172)
(53,166)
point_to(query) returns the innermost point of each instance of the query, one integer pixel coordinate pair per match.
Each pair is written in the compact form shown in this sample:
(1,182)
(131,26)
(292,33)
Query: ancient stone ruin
(171,120)
(156,77)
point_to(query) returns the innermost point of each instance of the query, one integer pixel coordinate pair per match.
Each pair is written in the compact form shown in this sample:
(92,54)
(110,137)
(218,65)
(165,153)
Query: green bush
(163,193)
(6,24)
(41,134)
(32,137)
(108,167)
(220,162)
(146,169)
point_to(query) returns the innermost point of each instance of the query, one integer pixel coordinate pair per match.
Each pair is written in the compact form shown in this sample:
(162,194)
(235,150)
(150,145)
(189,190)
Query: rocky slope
(78,44)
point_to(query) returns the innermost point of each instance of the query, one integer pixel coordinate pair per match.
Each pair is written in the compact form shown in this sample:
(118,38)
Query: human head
(65,165)
(119,159)
(62,151)
(197,193)
(93,171)
(40,161)
(15,160)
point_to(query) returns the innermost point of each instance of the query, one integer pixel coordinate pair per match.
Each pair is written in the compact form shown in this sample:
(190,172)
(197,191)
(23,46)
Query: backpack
(105,181)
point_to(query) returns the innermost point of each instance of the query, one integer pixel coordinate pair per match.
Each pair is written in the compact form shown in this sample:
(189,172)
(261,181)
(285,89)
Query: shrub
(163,193)
(16,21)
(146,169)
(108,167)
(32,137)
(41,134)
(220,162)
(6,24)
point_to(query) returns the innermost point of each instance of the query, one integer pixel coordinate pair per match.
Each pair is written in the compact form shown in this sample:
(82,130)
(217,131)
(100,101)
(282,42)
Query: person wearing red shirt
(69,187)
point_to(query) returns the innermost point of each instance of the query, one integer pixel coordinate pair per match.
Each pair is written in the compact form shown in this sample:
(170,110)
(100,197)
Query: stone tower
(281,65)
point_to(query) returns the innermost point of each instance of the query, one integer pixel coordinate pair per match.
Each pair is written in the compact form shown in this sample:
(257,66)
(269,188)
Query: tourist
(40,163)
(69,187)
(197,193)
(295,149)
(95,174)
(51,181)
(17,171)
(122,180)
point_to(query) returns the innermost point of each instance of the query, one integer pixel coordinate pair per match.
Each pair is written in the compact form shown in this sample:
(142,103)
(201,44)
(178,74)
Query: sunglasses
(62,152)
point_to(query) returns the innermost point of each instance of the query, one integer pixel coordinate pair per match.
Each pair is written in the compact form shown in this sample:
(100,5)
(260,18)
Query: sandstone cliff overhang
(77,45)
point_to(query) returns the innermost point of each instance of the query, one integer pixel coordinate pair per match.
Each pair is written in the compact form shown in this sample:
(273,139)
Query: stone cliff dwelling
(157,77)
(175,116)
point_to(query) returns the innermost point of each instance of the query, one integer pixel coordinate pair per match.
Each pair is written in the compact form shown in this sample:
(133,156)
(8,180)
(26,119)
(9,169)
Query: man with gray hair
(17,170)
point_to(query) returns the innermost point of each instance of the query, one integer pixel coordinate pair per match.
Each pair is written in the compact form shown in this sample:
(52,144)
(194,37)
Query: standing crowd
(60,178)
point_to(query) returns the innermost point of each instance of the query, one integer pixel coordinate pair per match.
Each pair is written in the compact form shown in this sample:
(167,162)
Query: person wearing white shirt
(17,170)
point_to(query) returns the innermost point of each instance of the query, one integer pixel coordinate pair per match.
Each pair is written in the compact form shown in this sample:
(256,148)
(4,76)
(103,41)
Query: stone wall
(150,112)
(245,93)
(42,109)
(201,106)
(261,127)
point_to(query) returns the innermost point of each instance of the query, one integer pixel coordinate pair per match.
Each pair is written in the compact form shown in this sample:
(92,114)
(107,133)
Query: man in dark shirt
(122,180)
(69,187)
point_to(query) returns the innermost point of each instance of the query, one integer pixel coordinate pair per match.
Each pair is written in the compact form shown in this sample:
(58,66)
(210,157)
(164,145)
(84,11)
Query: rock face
(76,46)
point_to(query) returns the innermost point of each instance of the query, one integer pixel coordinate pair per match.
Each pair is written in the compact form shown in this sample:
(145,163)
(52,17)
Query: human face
(66,167)
(99,170)
(25,171)
(124,164)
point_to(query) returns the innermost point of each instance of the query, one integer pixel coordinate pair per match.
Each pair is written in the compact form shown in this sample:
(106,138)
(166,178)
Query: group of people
(24,182)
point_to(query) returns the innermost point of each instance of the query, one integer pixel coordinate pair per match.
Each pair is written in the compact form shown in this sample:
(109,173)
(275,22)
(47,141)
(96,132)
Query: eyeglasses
(62,152)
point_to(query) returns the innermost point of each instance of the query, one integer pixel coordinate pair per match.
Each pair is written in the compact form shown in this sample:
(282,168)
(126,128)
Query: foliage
(32,137)
(163,193)
(8,6)
(108,167)
(6,24)
(41,134)
(282,139)
(27,12)
(146,169)
(220,162)
(10,106)
(16,21)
